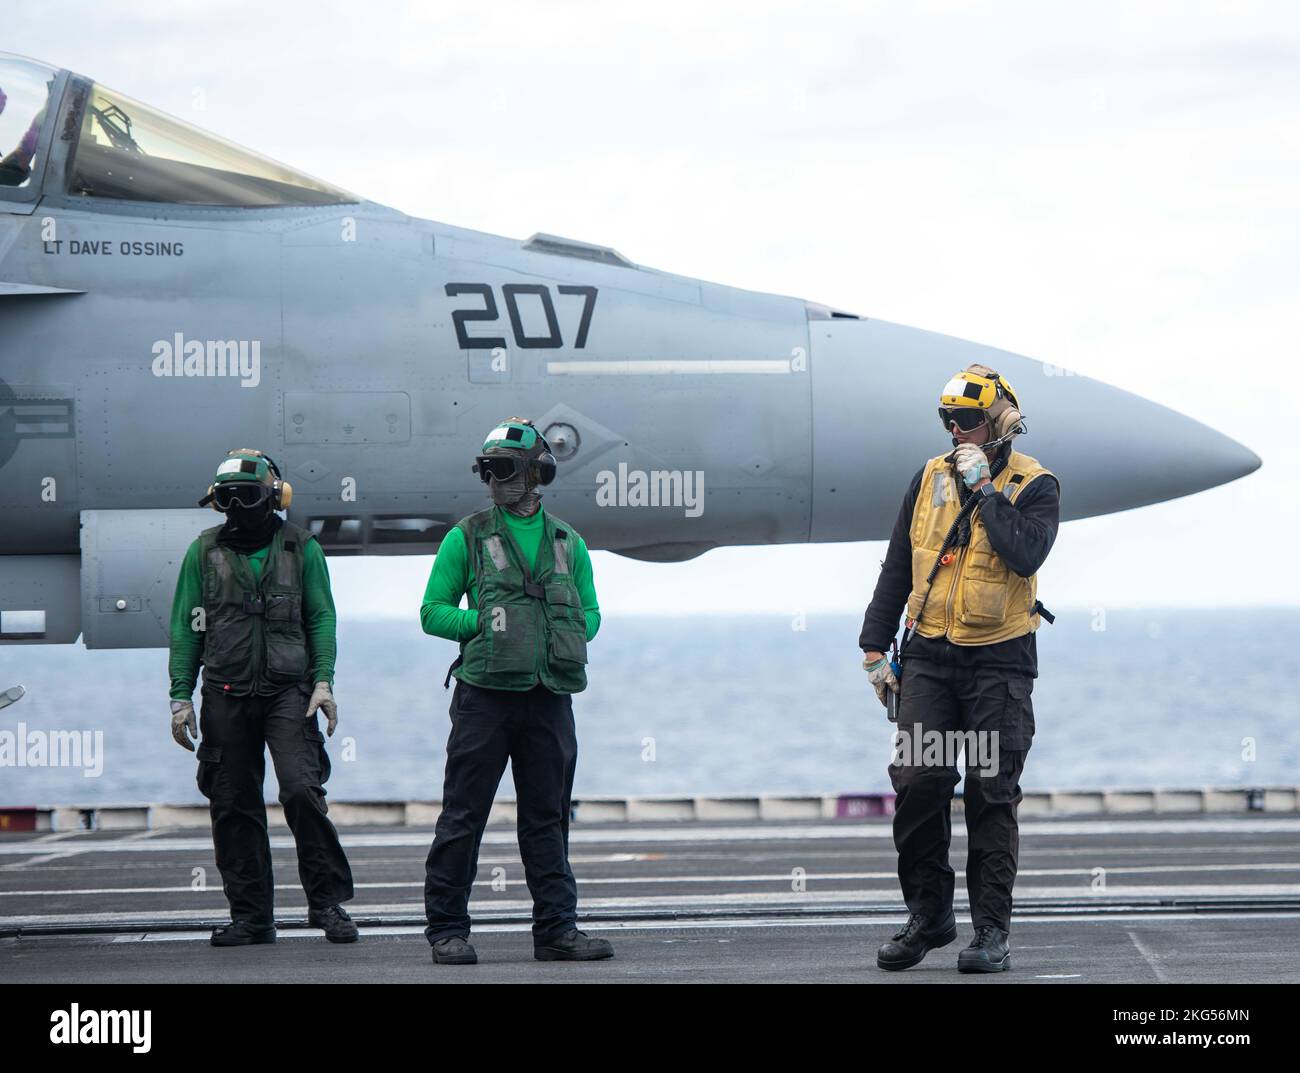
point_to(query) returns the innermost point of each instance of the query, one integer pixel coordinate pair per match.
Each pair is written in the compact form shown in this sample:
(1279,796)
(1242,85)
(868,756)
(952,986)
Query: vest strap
(968,508)
(446,682)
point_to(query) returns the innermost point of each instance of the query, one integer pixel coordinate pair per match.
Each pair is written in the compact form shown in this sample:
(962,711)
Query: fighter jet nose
(1112,450)
(1228,459)
(1247,461)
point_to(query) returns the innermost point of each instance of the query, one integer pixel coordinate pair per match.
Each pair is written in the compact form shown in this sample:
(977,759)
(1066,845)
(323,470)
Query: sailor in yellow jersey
(975,526)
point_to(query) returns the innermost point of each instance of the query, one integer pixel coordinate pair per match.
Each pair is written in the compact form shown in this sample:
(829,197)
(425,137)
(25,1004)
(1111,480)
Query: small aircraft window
(24,100)
(132,152)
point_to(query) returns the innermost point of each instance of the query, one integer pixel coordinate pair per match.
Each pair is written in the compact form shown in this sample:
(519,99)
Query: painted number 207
(510,294)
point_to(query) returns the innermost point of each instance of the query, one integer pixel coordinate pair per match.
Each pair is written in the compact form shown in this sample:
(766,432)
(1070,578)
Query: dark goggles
(967,419)
(240,494)
(499,467)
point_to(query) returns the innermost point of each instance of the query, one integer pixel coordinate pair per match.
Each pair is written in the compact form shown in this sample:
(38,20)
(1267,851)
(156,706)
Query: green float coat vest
(531,624)
(254,640)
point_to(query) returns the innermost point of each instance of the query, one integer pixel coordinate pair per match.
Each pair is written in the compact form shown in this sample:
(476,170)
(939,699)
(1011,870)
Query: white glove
(881,676)
(184,725)
(322,697)
(972,463)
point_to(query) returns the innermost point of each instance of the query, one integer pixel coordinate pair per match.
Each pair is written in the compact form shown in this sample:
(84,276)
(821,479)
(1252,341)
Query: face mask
(517,495)
(249,528)
(505,493)
(240,517)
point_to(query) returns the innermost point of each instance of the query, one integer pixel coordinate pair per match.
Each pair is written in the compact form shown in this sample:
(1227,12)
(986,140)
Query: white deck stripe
(1150,958)
(647,880)
(482,902)
(722,924)
(691,832)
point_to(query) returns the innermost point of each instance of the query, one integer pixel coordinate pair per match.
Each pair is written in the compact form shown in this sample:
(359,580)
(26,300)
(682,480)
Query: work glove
(184,725)
(972,463)
(322,697)
(881,676)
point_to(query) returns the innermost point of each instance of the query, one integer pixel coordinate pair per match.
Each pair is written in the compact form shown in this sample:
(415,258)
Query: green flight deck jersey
(267,621)
(532,603)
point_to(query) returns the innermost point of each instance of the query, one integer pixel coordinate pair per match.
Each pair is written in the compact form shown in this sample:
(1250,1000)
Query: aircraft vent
(336,533)
(396,529)
(567,247)
(821,312)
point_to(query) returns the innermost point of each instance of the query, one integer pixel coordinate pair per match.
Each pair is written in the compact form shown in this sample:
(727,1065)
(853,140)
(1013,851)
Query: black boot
(921,934)
(336,924)
(573,946)
(454,951)
(988,952)
(242,933)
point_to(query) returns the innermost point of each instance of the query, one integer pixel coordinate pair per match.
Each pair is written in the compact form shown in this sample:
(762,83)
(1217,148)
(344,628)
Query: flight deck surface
(1177,898)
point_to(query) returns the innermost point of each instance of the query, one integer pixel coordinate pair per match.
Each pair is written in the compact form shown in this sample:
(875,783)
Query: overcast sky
(1105,186)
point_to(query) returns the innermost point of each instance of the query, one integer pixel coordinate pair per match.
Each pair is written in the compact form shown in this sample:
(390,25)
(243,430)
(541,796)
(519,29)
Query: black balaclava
(517,495)
(249,528)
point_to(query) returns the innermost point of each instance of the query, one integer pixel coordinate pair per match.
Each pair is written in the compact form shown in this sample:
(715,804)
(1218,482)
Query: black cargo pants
(534,730)
(937,697)
(236,731)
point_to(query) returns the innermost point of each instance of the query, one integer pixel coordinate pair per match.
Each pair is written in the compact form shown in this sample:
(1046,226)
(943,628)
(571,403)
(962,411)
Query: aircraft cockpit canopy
(25,91)
(128,151)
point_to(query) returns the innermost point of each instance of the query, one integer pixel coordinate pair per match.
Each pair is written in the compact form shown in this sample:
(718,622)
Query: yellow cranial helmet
(978,394)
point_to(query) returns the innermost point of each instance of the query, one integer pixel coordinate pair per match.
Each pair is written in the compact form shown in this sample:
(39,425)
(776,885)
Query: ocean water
(715,704)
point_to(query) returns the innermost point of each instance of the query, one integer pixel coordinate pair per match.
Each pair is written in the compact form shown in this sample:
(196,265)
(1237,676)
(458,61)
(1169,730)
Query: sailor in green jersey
(253,607)
(523,653)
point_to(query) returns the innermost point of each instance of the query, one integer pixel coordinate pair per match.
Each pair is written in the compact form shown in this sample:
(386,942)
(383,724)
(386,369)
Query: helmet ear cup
(212,498)
(544,464)
(544,467)
(1005,419)
(283,495)
(1006,422)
